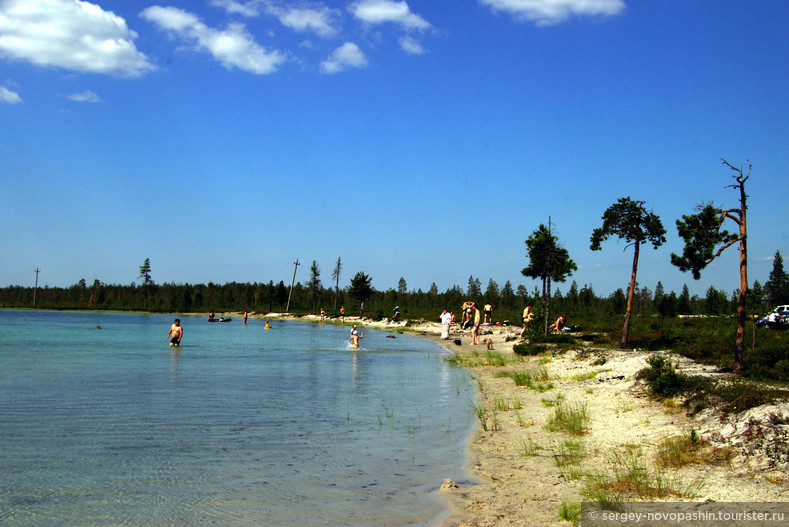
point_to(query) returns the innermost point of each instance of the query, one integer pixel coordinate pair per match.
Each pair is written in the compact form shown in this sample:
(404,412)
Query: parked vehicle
(777,319)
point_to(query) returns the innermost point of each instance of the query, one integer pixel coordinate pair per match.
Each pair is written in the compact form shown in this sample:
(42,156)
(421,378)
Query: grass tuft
(570,418)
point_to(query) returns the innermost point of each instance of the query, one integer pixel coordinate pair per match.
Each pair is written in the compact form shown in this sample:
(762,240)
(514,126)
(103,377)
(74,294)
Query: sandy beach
(522,473)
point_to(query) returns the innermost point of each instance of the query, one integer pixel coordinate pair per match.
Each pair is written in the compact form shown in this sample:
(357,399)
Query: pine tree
(548,261)
(631,221)
(777,286)
(703,233)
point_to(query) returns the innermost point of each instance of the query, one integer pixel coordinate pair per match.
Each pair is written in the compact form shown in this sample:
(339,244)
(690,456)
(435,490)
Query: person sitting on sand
(559,324)
(176,332)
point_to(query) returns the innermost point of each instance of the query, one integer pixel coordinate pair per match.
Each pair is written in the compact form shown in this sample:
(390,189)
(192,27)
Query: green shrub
(529,349)
(768,362)
(662,377)
(726,396)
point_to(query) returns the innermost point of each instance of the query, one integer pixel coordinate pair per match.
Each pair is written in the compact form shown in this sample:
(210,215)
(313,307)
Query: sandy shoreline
(514,461)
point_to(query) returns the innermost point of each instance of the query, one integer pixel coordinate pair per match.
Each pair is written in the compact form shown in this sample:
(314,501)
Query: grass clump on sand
(474,359)
(570,511)
(567,457)
(689,449)
(629,477)
(487,420)
(570,418)
(531,379)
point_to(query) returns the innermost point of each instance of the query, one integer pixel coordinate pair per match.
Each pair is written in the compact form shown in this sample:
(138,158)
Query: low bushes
(699,392)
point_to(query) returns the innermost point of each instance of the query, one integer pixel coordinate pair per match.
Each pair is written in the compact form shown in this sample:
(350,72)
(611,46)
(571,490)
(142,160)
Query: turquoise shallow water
(238,426)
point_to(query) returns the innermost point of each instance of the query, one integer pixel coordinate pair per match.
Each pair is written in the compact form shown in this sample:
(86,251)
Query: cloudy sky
(224,139)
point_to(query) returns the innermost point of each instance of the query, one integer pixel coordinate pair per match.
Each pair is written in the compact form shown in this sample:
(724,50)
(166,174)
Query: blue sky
(223,139)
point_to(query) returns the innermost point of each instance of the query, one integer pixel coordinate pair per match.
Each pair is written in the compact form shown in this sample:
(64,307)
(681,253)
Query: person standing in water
(355,337)
(175,333)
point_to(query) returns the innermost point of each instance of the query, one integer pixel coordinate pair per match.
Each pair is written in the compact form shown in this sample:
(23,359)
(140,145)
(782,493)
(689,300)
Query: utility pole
(35,290)
(295,266)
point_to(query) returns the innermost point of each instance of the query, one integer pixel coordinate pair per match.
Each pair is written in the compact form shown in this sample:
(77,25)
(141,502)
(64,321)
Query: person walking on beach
(323,315)
(342,314)
(475,327)
(527,317)
(446,322)
(488,314)
(176,332)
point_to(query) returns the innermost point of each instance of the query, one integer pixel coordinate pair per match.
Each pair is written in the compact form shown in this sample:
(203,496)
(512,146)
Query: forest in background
(507,301)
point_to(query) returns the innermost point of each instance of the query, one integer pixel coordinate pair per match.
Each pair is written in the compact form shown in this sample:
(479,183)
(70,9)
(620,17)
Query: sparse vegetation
(688,449)
(569,452)
(570,511)
(570,418)
(725,396)
(630,477)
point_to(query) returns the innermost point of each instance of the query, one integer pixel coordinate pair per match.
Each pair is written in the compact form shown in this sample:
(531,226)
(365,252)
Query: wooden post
(295,266)
(35,290)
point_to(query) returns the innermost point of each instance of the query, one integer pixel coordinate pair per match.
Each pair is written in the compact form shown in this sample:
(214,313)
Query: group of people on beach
(472,318)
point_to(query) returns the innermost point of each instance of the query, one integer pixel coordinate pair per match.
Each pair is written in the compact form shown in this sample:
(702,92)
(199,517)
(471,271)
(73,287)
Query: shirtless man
(488,314)
(527,317)
(176,332)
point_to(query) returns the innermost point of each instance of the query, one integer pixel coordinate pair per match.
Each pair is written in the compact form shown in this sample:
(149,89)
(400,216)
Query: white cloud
(382,11)
(318,19)
(233,46)
(69,34)
(550,12)
(9,97)
(86,96)
(347,55)
(409,45)
(301,16)
(248,9)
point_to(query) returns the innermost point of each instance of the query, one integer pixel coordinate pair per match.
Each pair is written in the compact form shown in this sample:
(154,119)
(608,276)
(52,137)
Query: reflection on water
(238,426)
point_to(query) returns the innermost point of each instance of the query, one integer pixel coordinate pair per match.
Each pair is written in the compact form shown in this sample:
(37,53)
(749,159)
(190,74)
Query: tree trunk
(630,293)
(546,297)
(739,346)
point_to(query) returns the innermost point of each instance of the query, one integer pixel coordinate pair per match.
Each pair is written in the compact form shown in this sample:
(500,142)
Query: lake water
(239,426)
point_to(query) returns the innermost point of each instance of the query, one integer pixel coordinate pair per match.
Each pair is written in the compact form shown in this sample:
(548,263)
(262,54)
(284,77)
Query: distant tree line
(507,301)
